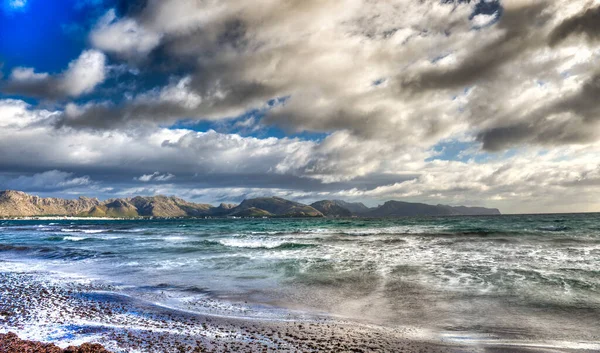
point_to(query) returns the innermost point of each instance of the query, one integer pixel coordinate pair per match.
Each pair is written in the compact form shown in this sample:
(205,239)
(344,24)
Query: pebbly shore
(67,313)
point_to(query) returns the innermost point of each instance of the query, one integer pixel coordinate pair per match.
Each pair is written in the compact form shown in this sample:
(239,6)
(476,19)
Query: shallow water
(531,277)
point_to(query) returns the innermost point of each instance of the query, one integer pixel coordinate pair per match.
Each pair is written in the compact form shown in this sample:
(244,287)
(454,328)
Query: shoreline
(72,314)
(37,307)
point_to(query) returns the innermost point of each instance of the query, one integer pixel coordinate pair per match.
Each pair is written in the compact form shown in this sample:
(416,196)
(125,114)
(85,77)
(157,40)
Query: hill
(354,207)
(331,209)
(405,209)
(279,207)
(20,204)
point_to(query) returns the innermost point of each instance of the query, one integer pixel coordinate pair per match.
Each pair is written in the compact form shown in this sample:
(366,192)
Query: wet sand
(74,312)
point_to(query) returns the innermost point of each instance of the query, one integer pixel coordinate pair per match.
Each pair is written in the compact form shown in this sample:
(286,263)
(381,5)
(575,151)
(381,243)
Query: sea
(516,278)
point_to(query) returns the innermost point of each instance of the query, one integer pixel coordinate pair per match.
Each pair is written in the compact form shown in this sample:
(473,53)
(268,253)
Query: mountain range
(20,204)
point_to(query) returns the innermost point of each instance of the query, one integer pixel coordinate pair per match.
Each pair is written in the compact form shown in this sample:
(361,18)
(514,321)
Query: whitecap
(74,238)
(251,243)
(175,238)
(93,231)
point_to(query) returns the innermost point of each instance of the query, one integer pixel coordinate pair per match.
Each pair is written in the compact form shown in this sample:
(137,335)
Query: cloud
(381,82)
(16,115)
(84,73)
(433,67)
(51,180)
(17,3)
(586,23)
(124,37)
(215,167)
(14,5)
(82,76)
(574,119)
(156,176)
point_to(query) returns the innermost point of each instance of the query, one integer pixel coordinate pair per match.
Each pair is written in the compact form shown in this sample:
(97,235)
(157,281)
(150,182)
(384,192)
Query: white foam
(93,231)
(403,229)
(251,243)
(174,238)
(74,238)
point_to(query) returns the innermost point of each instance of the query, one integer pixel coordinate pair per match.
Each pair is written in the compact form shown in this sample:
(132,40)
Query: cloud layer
(387,88)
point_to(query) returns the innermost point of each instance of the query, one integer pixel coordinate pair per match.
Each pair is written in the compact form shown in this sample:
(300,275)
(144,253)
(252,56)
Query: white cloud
(16,114)
(384,80)
(17,3)
(85,73)
(156,176)
(123,36)
(27,74)
(176,93)
(561,179)
(14,5)
(81,76)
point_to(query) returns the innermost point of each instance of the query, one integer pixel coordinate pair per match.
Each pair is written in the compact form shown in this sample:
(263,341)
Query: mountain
(279,207)
(251,212)
(163,206)
(403,209)
(330,208)
(113,209)
(354,207)
(20,204)
(474,211)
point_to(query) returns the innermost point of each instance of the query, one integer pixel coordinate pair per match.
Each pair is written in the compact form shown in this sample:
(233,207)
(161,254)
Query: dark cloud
(486,60)
(44,88)
(586,23)
(570,120)
(51,180)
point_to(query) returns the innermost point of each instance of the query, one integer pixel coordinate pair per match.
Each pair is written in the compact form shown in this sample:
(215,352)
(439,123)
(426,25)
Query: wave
(55,252)
(4,247)
(262,244)
(75,238)
(54,238)
(553,228)
(85,231)
(135,230)
(175,238)
(93,231)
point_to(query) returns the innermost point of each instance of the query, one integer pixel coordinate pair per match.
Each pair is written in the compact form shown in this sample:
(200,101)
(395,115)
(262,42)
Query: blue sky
(434,101)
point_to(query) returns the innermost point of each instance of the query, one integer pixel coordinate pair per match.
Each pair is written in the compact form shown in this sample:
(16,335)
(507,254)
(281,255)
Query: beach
(70,313)
(462,284)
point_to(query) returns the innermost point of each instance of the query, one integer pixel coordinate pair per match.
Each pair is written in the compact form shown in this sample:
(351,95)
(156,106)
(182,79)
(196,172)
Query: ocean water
(523,278)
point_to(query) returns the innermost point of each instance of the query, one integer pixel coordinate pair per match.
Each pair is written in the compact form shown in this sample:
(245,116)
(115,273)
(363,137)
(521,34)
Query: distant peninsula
(15,204)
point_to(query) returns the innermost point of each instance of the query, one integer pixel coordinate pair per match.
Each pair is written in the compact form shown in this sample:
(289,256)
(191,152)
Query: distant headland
(20,204)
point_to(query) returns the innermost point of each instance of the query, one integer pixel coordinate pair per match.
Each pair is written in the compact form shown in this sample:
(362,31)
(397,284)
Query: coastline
(77,311)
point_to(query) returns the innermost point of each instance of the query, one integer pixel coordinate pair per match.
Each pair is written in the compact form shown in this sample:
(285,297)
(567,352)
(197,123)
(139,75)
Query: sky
(484,103)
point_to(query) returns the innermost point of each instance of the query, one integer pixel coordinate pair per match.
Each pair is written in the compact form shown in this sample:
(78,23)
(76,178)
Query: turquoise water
(515,277)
